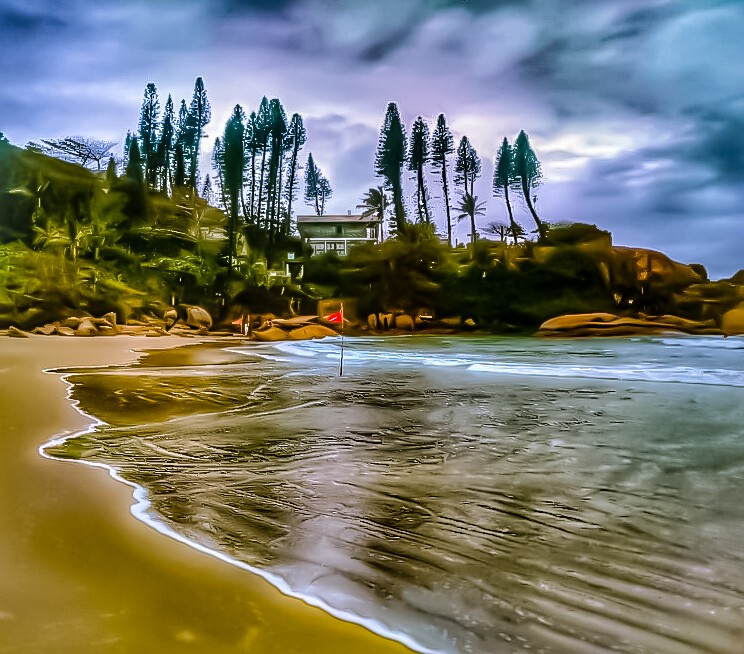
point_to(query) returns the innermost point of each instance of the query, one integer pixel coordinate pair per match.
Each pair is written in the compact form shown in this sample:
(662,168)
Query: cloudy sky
(635,107)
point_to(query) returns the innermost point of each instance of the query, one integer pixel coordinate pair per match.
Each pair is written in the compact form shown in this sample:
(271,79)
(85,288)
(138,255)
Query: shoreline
(79,574)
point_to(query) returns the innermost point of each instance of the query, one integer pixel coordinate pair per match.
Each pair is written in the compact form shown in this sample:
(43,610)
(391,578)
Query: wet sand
(78,573)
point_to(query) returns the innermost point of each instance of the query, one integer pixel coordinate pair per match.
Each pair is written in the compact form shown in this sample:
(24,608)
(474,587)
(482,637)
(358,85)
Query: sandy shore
(79,574)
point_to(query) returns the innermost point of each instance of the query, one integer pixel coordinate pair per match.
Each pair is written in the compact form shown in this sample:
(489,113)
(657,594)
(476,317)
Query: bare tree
(91,153)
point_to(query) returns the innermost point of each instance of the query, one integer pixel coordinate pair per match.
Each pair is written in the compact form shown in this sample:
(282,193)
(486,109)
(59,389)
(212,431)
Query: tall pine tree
(503,178)
(417,158)
(467,166)
(233,164)
(391,155)
(165,147)
(199,115)
(296,138)
(529,174)
(148,132)
(442,145)
(317,187)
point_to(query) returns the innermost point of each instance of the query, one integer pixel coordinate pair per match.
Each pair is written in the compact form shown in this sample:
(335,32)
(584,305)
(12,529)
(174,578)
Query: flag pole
(341,364)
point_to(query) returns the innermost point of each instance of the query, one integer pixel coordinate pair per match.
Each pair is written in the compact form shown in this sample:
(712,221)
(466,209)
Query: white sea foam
(140,511)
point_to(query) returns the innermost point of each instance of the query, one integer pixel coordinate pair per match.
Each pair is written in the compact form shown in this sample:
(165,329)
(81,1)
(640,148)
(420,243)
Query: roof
(338,218)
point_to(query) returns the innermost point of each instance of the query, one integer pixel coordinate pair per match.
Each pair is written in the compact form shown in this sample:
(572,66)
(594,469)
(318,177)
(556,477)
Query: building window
(339,230)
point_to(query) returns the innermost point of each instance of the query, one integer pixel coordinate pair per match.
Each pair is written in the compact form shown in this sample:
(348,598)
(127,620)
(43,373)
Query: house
(338,232)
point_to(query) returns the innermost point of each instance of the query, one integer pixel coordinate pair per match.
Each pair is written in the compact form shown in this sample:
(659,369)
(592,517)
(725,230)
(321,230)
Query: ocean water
(458,494)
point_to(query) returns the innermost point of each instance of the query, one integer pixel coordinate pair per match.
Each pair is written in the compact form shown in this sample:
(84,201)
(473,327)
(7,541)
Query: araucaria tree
(165,147)
(467,166)
(233,162)
(148,131)
(442,145)
(199,115)
(296,138)
(317,187)
(391,155)
(527,171)
(417,157)
(503,178)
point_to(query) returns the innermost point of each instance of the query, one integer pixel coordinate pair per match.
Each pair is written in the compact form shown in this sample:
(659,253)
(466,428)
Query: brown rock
(574,320)
(270,334)
(198,317)
(404,321)
(62,330)
(372,321)
(86,328)
(385,321)
(16,333)
(732,322)
(311,331)
(72,322)
(46,330)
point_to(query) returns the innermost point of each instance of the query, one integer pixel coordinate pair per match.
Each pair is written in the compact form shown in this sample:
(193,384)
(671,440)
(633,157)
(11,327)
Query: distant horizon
(634,108)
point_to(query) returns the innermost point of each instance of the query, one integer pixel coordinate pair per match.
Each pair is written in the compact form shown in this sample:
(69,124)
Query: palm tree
(374,203)
(470,207)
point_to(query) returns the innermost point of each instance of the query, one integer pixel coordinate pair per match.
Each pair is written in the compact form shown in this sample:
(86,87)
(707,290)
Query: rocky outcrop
(732,322)
(311,331)
(607,324)
(270,334)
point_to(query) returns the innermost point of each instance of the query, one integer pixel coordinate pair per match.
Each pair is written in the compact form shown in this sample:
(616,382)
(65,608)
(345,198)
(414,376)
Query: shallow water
(474,494)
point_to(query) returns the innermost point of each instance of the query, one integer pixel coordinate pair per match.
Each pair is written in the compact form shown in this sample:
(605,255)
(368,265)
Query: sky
(634,107)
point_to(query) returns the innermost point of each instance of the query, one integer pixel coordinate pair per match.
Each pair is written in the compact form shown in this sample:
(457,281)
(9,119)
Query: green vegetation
(74,237)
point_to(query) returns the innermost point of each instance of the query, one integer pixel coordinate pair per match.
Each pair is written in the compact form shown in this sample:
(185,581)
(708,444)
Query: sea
(455,493)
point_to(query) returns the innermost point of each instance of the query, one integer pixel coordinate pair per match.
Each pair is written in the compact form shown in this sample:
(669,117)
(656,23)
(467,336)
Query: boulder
(86,328)
(384,321)
(372,321)
(574,320)
(311,331)
(732,322)
(72,322)
(404,321)
(270,334)
(109,320)
(63,330)
(16,333)
(198,317)
(46,330)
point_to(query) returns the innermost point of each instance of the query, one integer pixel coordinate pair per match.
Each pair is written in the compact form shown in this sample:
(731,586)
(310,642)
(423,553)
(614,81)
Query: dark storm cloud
(635,106)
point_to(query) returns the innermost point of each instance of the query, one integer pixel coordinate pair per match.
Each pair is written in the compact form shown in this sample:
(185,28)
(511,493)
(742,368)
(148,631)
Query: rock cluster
(608,324)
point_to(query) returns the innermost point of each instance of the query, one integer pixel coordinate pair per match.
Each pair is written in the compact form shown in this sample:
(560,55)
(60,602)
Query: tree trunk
(511,215)
(446,202)
(539,223)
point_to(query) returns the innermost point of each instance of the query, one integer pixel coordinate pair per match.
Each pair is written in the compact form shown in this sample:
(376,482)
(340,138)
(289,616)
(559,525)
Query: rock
(198,317)
(110,317)
(372,321)
(270,334)
(72,322)
(106,330)
(404,321)
(46,330)
(311,331)
(16,333)
(384,321)
(732,322)
(62,330)
(86,328)
(170,317)
(574,320)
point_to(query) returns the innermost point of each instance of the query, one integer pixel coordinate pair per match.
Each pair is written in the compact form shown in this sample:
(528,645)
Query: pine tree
(391,155)
(263,129)
(277,131)
(252,147)
(148,131)
(179,175)
(467,166)
(442,145)
(527,170)
(199,115)
(417,158)
(165,147)
(296,139)
(317,187)
(233,164)
(503,178)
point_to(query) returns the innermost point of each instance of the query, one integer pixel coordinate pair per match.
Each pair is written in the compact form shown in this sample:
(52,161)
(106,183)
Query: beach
(78,573)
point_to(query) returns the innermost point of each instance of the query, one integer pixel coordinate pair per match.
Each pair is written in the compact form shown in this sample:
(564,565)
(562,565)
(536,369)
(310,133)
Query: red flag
(338,316)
